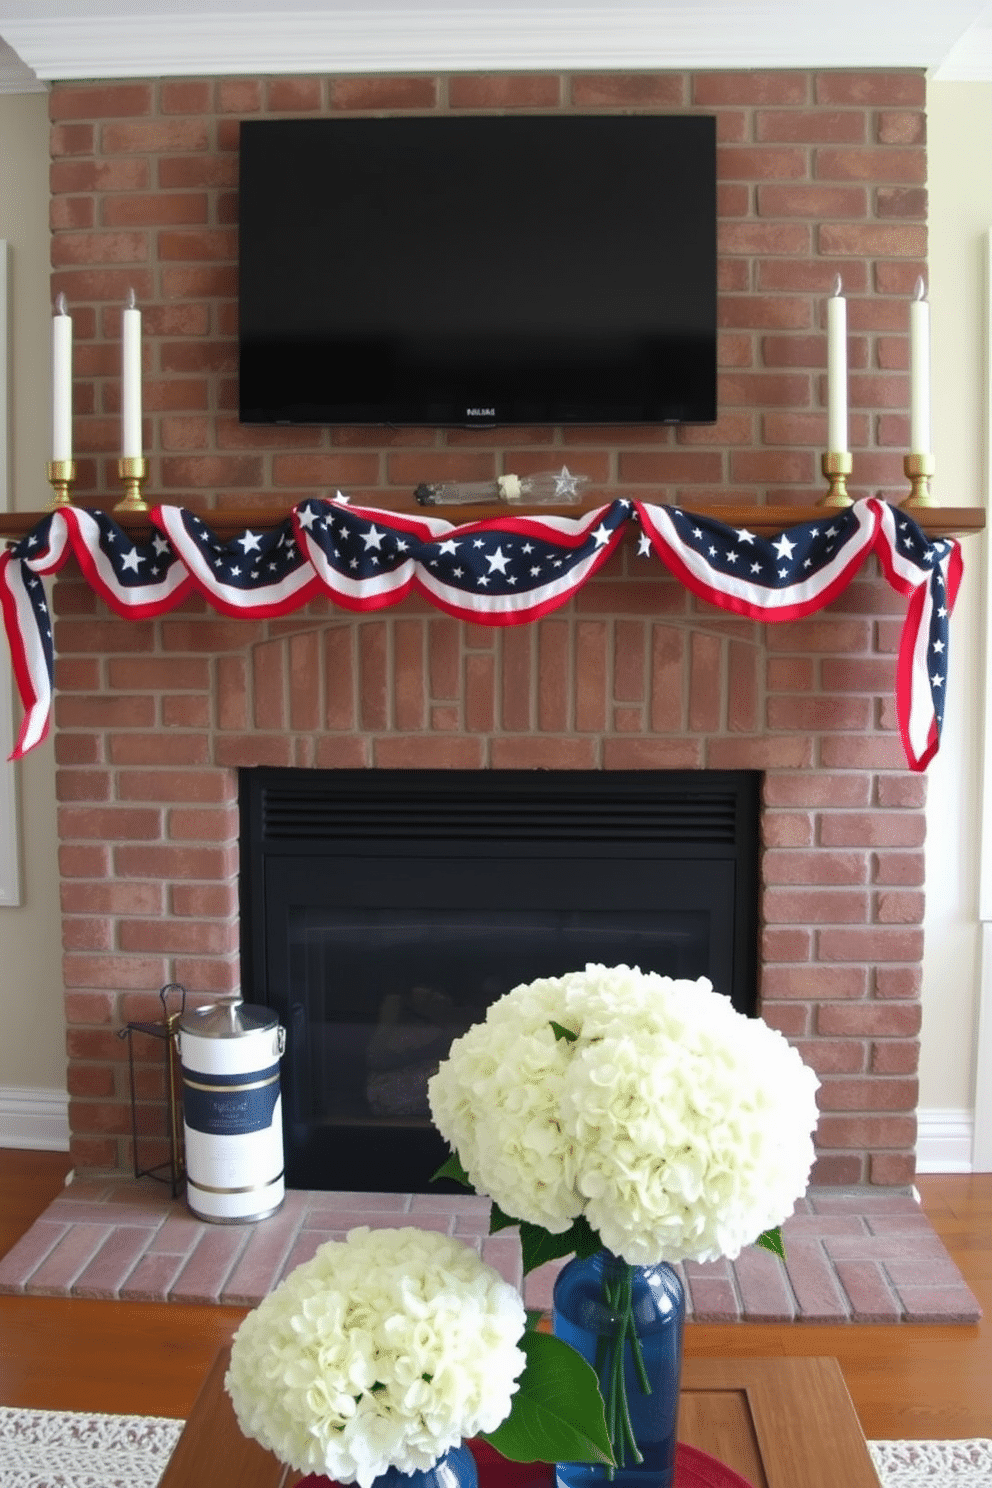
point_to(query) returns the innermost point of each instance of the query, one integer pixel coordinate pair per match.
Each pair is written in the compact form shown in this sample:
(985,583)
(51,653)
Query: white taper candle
(919,379)
(131,380)
(837,371)
(61,382)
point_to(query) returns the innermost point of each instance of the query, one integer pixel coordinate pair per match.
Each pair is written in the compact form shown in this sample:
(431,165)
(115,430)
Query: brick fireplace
(818,174)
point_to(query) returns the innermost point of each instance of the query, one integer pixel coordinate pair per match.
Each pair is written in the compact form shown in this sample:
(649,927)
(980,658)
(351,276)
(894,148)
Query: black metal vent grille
(368,806)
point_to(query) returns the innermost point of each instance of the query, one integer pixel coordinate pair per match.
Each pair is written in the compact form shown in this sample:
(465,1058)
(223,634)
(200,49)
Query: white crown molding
(944,1141)
(34,1118)
(172,39)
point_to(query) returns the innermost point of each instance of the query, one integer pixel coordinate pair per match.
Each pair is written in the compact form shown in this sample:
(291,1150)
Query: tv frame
(649,358)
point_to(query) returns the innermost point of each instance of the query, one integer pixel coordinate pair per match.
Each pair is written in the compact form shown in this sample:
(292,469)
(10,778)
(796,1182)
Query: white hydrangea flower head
(386,1350)
(679,1128)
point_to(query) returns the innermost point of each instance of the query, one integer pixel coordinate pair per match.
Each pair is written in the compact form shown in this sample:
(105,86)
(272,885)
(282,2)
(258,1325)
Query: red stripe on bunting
(27,658)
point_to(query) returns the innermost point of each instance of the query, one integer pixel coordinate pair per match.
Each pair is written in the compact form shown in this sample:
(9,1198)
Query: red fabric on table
(693,1469)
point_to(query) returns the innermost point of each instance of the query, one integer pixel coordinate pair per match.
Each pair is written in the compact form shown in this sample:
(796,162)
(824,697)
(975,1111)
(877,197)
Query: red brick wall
(818,174)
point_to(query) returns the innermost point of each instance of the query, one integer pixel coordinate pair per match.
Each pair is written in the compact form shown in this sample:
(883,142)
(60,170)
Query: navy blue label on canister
(230,1105)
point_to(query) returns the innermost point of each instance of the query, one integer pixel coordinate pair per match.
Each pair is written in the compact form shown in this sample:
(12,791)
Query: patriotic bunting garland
(502,571)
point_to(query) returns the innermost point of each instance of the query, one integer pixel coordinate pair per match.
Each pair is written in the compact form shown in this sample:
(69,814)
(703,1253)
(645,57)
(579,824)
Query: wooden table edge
(784,1395)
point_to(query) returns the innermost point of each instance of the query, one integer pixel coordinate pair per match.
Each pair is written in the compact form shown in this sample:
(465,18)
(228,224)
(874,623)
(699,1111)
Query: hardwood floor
(905,1381)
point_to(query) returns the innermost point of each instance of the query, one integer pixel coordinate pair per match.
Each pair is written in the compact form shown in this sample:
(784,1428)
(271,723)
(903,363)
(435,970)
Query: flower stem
(618,1294)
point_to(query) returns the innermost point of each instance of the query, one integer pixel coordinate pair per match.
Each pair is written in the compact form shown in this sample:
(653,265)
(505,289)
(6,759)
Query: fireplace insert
(383,911)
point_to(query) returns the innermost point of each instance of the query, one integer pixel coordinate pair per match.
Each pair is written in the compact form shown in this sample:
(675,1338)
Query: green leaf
(499,1220)
(557,1413)
(535,1317)
(772,1240)
(453,1169)
(563,1033)
(539,1245)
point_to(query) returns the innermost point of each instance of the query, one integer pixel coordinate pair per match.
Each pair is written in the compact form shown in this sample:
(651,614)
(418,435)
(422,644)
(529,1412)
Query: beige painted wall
(31,1033)
(32,1036)
(960,148)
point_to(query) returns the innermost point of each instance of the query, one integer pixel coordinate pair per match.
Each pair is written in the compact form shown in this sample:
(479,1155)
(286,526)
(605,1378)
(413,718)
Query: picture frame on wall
(10,876)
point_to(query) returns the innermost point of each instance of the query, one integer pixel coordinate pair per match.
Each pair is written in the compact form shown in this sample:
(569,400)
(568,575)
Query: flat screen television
(478,270)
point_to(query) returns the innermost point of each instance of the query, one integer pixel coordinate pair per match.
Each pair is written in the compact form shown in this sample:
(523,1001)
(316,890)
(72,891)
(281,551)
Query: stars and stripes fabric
(507,570)
(32,658)
(134,580)
(929,573)
(781,578)
(263,574)
(807,566)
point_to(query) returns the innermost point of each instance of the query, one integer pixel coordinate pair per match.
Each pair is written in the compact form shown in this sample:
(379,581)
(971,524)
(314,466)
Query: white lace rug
(933,1464)
(66,1449)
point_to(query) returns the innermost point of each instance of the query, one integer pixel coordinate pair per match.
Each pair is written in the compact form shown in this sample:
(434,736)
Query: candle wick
(131,301)
(838,285)
(60,305)
(919,293)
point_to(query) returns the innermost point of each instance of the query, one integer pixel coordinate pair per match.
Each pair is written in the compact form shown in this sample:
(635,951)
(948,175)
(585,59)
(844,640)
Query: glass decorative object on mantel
(546,488)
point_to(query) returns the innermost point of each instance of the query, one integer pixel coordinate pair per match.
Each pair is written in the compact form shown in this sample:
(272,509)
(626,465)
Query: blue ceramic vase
(627,1321)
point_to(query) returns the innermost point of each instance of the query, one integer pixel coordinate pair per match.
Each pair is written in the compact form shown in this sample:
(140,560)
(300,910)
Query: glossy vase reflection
(456,1469)
(583,1317)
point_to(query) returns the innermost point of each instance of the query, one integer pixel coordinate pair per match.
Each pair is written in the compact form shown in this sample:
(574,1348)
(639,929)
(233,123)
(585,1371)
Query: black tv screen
(478,270)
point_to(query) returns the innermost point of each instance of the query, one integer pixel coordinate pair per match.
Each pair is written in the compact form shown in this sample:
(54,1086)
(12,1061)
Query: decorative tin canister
(232,1111)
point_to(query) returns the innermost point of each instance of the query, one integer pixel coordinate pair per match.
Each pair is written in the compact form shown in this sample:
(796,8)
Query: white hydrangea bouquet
(622,1109)
(389,1348)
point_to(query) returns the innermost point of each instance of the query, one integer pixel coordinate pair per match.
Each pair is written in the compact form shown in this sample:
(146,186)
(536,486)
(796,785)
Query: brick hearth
(818,174)
(851,1257)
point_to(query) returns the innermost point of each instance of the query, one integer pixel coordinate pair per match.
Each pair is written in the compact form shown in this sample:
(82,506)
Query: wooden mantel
(227,522)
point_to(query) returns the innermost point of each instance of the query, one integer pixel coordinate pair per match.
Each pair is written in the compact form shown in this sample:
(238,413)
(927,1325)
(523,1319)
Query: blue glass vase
(456,1469)
(627,1321)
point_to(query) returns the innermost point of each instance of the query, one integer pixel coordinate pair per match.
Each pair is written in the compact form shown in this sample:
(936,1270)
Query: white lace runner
(933,1464)
(64,1449)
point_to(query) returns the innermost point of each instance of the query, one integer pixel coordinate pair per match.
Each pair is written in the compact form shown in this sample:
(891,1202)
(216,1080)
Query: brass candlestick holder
(919,469)
(836,466)
(132,469)
(61,475)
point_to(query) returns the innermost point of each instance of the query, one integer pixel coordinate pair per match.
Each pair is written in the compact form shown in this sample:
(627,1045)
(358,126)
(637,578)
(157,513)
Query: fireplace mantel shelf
(227,522)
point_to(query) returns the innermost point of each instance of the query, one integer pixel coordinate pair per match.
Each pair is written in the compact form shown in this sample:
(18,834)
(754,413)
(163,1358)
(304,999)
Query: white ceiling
(42,40)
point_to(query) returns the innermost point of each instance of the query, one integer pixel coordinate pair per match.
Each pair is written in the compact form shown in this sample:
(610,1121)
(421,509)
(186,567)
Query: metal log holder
(172,1172)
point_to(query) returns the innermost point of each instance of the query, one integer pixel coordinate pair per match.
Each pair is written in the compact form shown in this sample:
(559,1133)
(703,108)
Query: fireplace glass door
(384,911)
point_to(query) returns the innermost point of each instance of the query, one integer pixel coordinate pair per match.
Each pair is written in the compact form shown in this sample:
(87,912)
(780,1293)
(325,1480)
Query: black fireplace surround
(383,911)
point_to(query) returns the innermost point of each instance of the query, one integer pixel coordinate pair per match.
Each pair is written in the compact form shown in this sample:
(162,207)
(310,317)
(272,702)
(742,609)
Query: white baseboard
(34,1118)
(37,1119)
(944,1141)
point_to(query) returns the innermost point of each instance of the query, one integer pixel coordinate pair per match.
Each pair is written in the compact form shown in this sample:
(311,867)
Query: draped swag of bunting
(507,570)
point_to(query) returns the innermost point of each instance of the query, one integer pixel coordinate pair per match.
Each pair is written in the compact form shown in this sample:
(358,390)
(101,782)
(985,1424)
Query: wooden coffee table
(780,1423)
